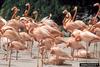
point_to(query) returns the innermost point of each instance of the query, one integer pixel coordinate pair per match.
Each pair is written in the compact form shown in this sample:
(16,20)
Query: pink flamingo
(85,36)
(69,23)
(75,45)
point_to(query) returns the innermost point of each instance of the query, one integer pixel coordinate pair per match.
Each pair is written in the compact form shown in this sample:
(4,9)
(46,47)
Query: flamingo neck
(73,18)
(67,19)
(27,10)
(15,11)
(97,11)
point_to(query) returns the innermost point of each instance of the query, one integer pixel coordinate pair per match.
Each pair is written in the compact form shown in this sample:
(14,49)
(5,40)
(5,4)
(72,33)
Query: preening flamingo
(74,44)
(59,56)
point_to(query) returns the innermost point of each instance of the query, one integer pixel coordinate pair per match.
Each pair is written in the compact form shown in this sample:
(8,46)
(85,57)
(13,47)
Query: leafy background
(45,7)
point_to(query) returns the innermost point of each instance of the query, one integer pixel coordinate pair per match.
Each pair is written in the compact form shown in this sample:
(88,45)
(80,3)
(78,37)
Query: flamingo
(38,32)
(15,45)
(75,45)
(15,24)
(12,35)
(96,31)
(82,53)
(54,60)
(69,23)
(26,37)
(48,43)
(47,20)
(60,55)
(41,31)
(85,36)
(58,51)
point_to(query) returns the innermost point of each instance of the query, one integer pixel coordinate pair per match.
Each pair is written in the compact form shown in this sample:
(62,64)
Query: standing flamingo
(39,33)
(85,36)
(75,45)
(26,37)
(69,23)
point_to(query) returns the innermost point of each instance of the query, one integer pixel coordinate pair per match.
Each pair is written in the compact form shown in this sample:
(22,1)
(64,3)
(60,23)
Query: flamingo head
(96,4)
(65,11)
(27,4)
(75,8)
(35,12)
(13,8)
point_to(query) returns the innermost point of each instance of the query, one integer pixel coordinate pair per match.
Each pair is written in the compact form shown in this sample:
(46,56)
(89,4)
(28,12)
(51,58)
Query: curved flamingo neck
(15,11)
(67,18)
(73,18)
(27,10)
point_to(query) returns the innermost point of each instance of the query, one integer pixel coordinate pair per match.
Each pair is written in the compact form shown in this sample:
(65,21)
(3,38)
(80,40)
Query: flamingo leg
(87,46)
(31,49)
(6,56)
(77,54)
(46,54)
(72,53)
(10,58)
(0,42)
(42,59)
(7,52)
(38,55)
(38,59)
(17,54)
(96,49)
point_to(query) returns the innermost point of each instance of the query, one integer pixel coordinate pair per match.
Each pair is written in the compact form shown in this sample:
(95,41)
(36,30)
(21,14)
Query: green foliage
(44,7)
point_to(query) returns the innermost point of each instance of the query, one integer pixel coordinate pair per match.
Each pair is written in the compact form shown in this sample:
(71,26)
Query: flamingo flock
(19,30)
